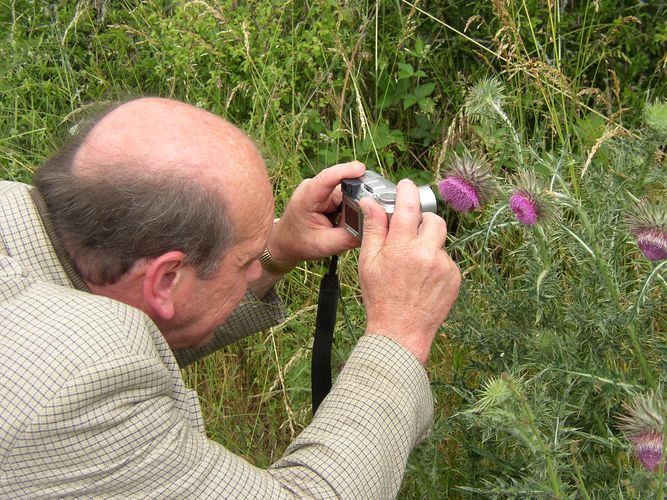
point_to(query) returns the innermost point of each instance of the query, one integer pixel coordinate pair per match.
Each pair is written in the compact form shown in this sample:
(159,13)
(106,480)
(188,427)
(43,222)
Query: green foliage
(555,327)
(564,308)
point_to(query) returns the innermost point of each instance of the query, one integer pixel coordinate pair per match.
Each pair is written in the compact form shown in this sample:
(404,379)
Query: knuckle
(428,259)
(434,219)
(437,225)
(411,205)
(441,264)
(454,274)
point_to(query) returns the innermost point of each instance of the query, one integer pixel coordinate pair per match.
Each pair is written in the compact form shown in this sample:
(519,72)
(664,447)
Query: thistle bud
(655,116)
(648,449)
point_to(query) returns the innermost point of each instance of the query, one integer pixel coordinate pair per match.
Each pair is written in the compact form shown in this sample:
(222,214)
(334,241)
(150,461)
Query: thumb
(375,226)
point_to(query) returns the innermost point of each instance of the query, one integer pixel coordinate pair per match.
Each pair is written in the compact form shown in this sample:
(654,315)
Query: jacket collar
(63,257)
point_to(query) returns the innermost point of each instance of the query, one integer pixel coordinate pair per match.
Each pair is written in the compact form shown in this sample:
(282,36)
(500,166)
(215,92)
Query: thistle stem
(551,470)
(515,136)
(542,245)
(660,493)
(580,481)
(616,297)
(643,364)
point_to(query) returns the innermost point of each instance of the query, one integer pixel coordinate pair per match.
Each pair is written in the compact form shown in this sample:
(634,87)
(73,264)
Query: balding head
(154,136)
(149,176)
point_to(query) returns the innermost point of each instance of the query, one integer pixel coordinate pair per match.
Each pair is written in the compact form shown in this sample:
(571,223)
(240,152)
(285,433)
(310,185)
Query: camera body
(373,185)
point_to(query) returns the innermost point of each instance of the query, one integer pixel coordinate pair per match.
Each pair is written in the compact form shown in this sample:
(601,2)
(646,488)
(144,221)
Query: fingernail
(406,180)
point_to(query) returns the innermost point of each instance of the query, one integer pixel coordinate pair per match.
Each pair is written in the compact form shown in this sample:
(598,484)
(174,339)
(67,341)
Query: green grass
(553,330)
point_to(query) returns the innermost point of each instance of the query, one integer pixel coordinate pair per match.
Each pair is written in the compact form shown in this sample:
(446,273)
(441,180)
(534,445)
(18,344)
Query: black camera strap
(327,304)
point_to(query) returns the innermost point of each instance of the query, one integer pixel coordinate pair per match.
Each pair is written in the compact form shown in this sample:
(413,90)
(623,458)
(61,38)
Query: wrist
(271,264)
(419,344)
(272,259)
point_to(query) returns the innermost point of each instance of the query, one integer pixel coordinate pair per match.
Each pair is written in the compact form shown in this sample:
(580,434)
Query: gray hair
(108,221)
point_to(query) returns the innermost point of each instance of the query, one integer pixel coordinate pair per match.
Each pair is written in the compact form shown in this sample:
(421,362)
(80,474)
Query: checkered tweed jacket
(92,403)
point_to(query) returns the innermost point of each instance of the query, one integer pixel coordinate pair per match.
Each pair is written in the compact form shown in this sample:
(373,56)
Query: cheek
(226,305)
(233,293)
(230,290)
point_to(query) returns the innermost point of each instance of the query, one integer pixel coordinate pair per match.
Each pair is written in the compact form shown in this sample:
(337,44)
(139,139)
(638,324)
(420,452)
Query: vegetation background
(556,327)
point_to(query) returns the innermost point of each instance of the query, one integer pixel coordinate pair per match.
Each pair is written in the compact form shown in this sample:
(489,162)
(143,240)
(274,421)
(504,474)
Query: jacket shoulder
(50,334)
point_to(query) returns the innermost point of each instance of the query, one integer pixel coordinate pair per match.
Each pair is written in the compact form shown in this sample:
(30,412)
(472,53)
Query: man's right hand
(408,281)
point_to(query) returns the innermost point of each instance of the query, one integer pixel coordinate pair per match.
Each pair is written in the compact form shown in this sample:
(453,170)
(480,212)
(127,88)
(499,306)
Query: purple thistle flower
(653,244)
(648,449)
(525,208)
(530,202)
(648,224)
(459,194)
(644,424)
(468,184)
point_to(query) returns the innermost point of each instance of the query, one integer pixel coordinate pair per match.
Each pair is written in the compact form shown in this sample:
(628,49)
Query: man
(139,246)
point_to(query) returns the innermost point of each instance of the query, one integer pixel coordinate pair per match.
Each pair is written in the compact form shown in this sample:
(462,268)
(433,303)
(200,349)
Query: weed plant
(560,325)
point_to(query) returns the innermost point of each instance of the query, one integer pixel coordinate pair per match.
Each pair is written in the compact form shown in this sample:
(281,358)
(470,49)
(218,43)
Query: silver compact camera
(373,185)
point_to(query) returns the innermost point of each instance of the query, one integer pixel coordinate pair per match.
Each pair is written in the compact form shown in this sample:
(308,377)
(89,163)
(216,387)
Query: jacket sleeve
(115,430)
(358,443)
(252,315)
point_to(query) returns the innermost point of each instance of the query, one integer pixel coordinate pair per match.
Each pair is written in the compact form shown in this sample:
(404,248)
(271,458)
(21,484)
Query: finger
(433,229)
(323,184)
(407,212)
(335,241)
(333,202)
(336,197)
(375,227)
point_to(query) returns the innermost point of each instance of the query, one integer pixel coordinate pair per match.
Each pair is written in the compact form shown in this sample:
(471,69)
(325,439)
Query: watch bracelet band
(269,263)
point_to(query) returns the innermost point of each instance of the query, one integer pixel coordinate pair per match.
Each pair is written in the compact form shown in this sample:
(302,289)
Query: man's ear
(162,276)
